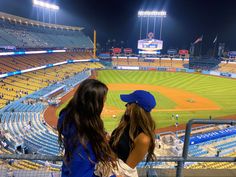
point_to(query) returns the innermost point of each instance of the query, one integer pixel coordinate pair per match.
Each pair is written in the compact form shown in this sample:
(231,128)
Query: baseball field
(188,95)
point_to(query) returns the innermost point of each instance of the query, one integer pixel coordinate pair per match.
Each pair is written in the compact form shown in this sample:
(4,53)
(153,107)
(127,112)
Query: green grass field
(220,90)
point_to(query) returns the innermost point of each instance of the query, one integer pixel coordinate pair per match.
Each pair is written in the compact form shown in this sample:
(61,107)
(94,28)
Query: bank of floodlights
(45,5)
(152,13)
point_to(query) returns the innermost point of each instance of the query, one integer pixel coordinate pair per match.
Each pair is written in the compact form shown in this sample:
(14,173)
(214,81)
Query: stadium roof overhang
(25,21)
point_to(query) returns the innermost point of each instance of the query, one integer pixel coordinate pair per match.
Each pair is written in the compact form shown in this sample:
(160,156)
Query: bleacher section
(214,165)
(163,62)
(23,35)
(15,117)
(222,145)
(227,67)
(206,137)
(204,63)
(22,119)
(18,86)
(216,143)
(14,63)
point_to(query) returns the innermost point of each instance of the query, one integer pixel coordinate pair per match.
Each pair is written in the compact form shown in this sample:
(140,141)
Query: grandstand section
(170,144)
(15,87)
(150,62)
(16,63)
(204,63)
(22,121)
(227,67)
(28,94)
(25,33)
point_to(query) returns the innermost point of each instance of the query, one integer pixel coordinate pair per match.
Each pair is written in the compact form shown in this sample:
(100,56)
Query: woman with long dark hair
(81,131)
(134,137)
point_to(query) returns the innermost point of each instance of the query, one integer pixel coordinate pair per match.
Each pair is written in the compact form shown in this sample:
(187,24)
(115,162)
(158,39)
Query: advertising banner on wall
(183,52)
(225,74)
(171,51)
(171,69)
(161,69)
(128,50)
(116,50)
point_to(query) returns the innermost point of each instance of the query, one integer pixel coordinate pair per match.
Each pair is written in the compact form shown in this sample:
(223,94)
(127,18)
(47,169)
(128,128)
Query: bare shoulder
(142,139)
(141,146)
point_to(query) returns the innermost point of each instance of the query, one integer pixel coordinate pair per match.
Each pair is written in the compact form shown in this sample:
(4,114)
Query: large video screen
(150,44)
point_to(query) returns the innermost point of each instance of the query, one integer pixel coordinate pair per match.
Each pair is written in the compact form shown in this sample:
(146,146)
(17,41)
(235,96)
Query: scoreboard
(150,45)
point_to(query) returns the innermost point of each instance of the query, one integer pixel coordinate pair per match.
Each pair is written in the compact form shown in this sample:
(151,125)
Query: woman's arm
(141,145)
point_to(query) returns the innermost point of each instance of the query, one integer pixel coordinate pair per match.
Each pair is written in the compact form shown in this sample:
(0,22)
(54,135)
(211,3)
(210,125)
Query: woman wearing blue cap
(81,132)
(134,137)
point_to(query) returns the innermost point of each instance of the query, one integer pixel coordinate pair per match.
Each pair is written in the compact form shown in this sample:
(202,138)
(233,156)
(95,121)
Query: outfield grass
(220,90)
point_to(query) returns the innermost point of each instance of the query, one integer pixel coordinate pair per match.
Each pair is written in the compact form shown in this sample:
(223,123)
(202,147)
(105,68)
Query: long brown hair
(137,119)
(83,113)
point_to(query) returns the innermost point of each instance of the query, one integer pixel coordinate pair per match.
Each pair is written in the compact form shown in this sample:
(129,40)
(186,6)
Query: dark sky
(117,19)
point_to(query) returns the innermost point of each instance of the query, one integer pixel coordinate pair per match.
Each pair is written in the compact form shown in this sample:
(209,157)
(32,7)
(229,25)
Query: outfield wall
(207,72)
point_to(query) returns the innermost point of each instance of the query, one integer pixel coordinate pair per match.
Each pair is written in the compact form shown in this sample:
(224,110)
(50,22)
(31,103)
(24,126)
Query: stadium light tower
(151,14)
(45,5)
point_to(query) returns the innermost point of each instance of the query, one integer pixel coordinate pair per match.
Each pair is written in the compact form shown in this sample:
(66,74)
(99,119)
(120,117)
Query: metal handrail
(185,158)
(179,160)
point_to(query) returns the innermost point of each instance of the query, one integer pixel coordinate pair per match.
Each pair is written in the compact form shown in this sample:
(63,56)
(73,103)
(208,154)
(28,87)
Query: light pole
(161,27)
(151,14)
(44,5)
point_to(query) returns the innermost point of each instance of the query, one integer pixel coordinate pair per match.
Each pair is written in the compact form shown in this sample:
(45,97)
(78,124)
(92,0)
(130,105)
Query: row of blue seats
(44,148)
(152,164)
(217,140)
(198,153)
(50,144)
(71,82)
(226,145)
(200,138)
(21,107)
(44,91)
(18,114)
(21,35)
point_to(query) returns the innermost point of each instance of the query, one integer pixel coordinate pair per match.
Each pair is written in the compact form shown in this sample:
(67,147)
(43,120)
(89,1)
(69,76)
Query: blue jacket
(79,165)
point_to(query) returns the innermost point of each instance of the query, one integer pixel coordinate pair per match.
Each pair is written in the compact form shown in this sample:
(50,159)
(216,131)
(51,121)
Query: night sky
(117,21)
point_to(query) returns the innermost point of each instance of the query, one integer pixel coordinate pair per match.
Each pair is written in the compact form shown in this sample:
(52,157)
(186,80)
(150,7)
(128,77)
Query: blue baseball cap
(141,97)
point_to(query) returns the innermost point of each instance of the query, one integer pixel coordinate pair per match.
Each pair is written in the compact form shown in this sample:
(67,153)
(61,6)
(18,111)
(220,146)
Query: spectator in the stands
(11,161)
(4,143)
(29,123)
(81,131)
(44,122)
(2,134)
(47,165)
